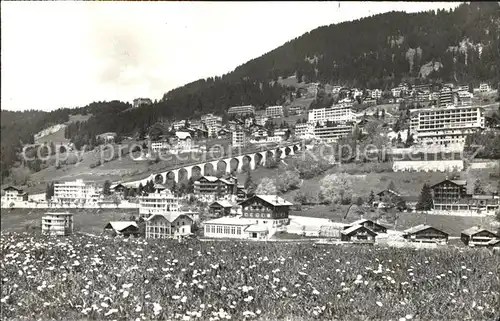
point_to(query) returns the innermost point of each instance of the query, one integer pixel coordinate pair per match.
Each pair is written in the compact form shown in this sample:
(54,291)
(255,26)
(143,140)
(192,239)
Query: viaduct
(251,158)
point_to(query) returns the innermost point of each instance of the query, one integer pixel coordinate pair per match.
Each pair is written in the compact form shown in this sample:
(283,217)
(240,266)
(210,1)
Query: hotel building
(213,186)
(339,112)
(443,126)
(76,192)
(332,133)
(160,202)
(274,111)
(304,130)
(211,120)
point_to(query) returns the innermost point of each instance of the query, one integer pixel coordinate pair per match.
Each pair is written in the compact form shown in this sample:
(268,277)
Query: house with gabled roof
(358,234)
(169,225)
(122,228)
(425,233)
(14,194)
(220,208)
(478,236)
(377,228)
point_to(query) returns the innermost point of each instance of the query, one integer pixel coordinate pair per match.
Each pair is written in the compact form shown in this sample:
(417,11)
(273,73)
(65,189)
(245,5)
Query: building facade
(444,126)
(211,120)
(141,101)
(76,192)
(59,224)
(214,187)
(304,130)
(266,209)
(160,202)
(338,113)
(425,234)
(239,138)
(13,194)
(168,225)
(241,110)
(274,111)
(333,133)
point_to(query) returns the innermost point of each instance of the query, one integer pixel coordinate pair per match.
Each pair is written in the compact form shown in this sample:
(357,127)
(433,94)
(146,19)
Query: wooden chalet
(122,228)
(375,227)
(358,234)
(270,207)
(220,208)
(425,233)
(477,236)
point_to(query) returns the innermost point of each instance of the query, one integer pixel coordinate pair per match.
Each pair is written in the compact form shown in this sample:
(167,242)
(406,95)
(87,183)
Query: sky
(68,54)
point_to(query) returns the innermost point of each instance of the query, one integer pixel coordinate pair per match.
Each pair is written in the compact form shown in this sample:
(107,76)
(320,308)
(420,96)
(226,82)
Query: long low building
(235,227)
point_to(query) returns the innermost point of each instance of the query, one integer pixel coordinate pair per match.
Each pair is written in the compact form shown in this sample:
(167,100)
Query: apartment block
(274,111)
(340,112)
(162,201)
(332,133)
(239,138)
(304,130)
(446,97)
(241,110)
(443,126)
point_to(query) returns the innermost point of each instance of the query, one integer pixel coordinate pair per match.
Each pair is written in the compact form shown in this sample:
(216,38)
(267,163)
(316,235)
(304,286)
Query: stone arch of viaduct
(253,159)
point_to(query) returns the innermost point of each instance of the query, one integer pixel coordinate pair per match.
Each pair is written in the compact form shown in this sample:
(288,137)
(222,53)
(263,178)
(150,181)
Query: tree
(267,186)
(126,193)
(337,188)
(49,191)
(409,139)
(425,202)
(250,185)
(288,180)
(371,198)
(116,200)
(140,189)
(106,188)
(478,188)
(359,201)
(62,149)
(391,186)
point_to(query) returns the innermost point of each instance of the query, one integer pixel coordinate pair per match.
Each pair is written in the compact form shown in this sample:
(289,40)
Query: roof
(419,228)
(183,135)
(257,228)
(390,191)
(121,225)
(231,220)
(274,200)
(171,216)
(225,181)
(474,230)
(116,185)
(494,242)
(222,203)
(159,186)
(12,188)
(456,182)
(58,213)
(362,221)
(354,228)
(210,178)
(484,197)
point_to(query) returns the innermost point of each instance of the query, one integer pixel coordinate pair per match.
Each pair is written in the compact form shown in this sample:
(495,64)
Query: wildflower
(125,294)
(380,304)
(156,308)
(111,311)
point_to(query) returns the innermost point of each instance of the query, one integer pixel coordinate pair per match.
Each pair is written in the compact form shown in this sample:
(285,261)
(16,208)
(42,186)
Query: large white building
(161,146)
(376,93)
(304,130)
(239,138)
(76,192)
(211,120)
(60,224)
(162,201)
(446,97)
(274,111)
(241,110)
(444,126)
(333,133)
(339,112)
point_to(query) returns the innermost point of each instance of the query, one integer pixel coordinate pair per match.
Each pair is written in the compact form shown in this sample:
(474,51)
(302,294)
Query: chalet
(13,194)
(425,233)
(117,188)
(266,209)
(223,133)
(477,236)
(450,195)
(169,225)
(241,193)
(389,198)
(358,234)
(220,208)
(368,224)
(122,228)
(213,186)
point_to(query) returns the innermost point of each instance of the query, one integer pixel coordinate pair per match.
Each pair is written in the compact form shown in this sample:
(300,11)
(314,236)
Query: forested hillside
(461,46)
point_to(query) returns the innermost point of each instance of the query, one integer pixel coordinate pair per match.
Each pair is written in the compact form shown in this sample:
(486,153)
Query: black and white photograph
(267,161)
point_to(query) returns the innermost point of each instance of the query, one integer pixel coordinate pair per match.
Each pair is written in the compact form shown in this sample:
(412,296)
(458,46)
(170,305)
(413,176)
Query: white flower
(111,312)
(184,299)
(104,305)
(315,292)
(409,317)
(138,308)
(125,294)
(379,304)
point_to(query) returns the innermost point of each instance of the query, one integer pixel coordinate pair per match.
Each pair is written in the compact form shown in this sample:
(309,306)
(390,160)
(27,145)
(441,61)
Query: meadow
(85,278)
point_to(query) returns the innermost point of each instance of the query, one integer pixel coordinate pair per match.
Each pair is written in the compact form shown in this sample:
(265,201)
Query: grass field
(85,220)
(84,278)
